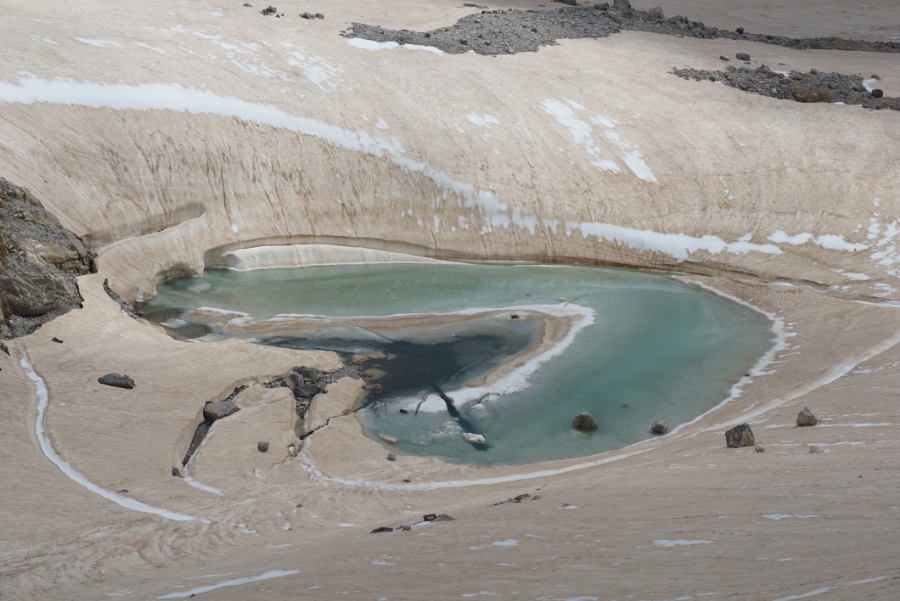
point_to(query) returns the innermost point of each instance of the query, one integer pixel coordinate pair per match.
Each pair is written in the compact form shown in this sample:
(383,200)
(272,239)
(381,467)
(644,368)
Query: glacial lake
(645,347)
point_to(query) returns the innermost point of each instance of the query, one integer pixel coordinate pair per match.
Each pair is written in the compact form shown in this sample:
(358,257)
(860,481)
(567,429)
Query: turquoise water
(657,349)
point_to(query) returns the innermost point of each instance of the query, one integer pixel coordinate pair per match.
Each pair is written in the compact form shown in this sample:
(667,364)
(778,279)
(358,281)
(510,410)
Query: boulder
(804,94)
(659,427)
(117,381)
(621,4)
(219,409)
(584,421)
(742,56)
(813,449)
(826,94)
(656,13)
(740,436)
(877,93)
(806,418)
(262,446)
(739,30)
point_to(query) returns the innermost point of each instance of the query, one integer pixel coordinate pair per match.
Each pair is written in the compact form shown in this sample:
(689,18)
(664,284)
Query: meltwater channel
(654,348)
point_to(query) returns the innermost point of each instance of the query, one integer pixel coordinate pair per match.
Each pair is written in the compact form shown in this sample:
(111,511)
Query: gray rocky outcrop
(219,409)
(806,418)
(584,421)
(116,381)
(659,427)
(39,262)
(740,436)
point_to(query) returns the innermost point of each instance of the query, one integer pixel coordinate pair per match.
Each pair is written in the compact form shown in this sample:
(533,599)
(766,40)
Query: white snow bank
(236,582)
(372,46)
(680,543)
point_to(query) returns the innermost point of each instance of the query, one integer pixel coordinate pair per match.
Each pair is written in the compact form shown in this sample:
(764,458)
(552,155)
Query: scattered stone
(471,5)
(312,15)
(569,2)
(429,517)
(659,427)
(814,71)
(247,4)
(392,457)
(656,13)
(877,93)
(740,436)
(443,517)
(270,10)
(875,77)
(760,449)
(742,56)
(382,529)
(536,498)
(123,491)
(584,421)
(621,4)
(813,449)
(263,446)
(739,30)
(724,58)
(407,480)
(117,381)
(404,411)
(406,527)
(219,409)
(176,473)
(806,418)
(4,348)
(804,94)
(320,16)
(57,340)
(568,505)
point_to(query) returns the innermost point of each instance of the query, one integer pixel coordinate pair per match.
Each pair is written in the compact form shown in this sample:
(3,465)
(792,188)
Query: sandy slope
(262,131)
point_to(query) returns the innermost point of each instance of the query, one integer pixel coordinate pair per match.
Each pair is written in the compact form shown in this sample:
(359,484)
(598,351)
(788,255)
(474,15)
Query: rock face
(117,381)
(806,418)
(659,427)
(584,421)
(740,436)
(39,261)
(219,409)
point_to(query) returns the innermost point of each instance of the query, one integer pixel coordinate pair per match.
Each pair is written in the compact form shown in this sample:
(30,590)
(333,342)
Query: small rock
(406,527)
(443,517)
(57,340)
(656,13)
(176,473)
(826,94)
(875,77)
(621,4)
(271,10)
(584,421)
(299,504)
(382,529)
(4,348)
(117,381)
(760,449)
(742,56)
(806,418)
(407,480)
(521,498)
(723,58)
(392,457)
(320,16)
(739,30)
(219,409)
(659,427)
(307,15)
(813,449)
(123,491)
(247,4)
(568,505)
(740,436)
(263,446)
(877,93)
(536,498)
(429,517)
(804,94)
(471,5)
(404,411)
(464,42)
(814,71)
(569,2)
(602,6)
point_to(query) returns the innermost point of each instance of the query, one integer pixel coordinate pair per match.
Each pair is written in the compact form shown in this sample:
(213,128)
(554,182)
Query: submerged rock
(584,421)
(659,427)
(117,381)
(740,436)
(219,409)
(806,418)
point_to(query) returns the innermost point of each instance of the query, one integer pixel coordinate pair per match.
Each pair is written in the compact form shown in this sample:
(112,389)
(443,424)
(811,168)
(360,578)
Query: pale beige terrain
(253,131)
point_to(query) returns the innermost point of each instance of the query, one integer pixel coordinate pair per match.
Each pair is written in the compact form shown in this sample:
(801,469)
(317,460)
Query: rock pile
(584,421)
(508,31)
(39,262)
(801,87)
